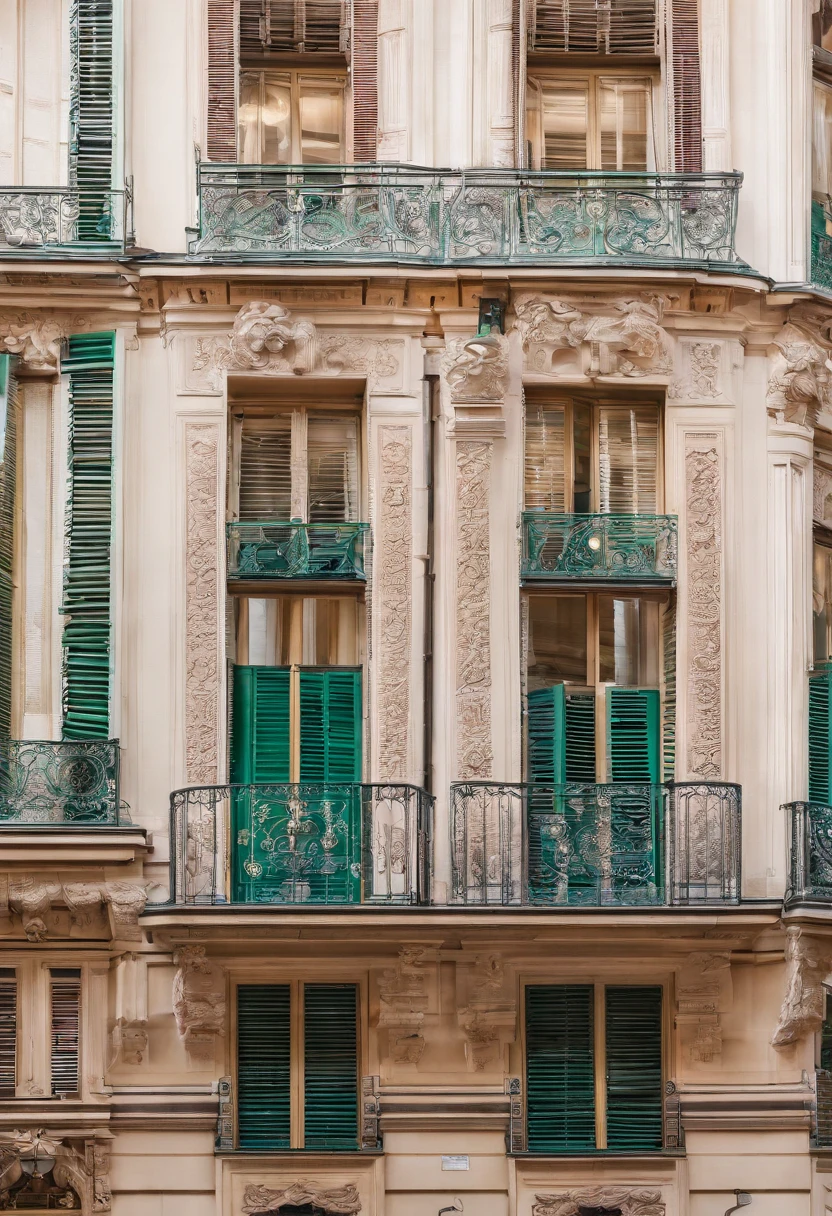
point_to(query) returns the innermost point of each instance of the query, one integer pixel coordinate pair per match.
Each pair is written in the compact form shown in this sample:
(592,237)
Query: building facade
(416,607)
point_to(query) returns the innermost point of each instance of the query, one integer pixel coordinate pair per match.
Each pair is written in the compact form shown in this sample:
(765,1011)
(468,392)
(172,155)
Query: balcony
(301,844)
(810,871)
(821,270)
(386,212)
(60,784)
(603,548)
(613,845)
(62,222)
(277,550)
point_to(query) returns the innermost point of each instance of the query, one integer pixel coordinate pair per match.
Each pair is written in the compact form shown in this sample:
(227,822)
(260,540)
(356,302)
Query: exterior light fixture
(38,1160)
(594,543)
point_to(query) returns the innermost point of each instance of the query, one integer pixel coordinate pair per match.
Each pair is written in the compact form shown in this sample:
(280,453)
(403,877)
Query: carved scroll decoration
(628,1201)
(703,492)
(202,637)
(259,1200)
(473,625)
(393,579)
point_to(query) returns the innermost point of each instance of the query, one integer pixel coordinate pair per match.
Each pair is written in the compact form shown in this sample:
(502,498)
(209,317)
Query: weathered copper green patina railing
(61,220)
(821,272)
(637,547)
(385,212)
(810,870)
(60,783)
(274,549)
(301,844)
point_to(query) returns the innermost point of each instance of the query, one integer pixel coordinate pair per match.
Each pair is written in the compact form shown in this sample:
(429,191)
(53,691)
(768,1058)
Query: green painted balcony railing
(595,845)
(641,548)
(301,844)
(810,869)
(389,212)
(274,549)
(821,271)
(62,221)
(60,783)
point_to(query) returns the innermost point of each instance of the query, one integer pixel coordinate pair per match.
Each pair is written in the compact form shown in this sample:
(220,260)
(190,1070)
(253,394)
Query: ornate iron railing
(632,547)
(594,845)
(821,269)
(810,869)
(301,844)
(384,212)
(62,220)
(272,549)
(60,783)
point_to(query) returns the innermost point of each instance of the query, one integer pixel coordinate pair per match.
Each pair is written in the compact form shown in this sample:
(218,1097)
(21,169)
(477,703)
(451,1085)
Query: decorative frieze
(202,606)
(624,1200)
(198,1002)
(36,901)
(392,591)
(703,533)
(808,963)
(259,1200)
(474,752)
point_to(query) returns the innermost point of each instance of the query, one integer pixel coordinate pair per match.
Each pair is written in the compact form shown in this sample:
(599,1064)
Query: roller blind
(266,468)
(545,466)
(628,457)
(66,1031)
(306,27)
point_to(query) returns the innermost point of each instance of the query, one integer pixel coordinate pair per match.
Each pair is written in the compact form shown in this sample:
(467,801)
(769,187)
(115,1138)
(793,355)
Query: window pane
(315,632)
(277,123)
(623,117)
(628,642)
(565,120)
(321,120)
(332,447)
(248,119)
(628,453)
(545,458)
(557,641)
(822,140)
(266,469)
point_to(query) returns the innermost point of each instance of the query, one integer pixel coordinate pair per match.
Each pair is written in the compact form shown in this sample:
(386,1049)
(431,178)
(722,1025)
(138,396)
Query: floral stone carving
(35,900)
(703,532)
(393,585)
(265,333)
(628,1201)
(260,1200)
(473,612)
(198,1002)
(202,622)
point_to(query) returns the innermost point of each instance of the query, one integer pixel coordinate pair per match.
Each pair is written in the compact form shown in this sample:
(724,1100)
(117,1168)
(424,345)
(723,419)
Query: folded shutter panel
(628,454)
(560,1069)
(545,469)
(330,724)
(364,75)
(8,1032)
(86,598)
(305,27)
(633,734)
(622,27)
(561,736)
(266,469)
(820,737)
(261,741)
(91,135)
(222,86)
(685,94)
(264,1061)
(330,1062)
(8,482)
(66,1027)
(332,459)
(634,1069)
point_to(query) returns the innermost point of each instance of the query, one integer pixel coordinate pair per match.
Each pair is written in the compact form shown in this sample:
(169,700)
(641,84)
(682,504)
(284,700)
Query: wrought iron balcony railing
(54,784)
(595,845)
(810,869)
(384,212)
(273,549)
(821,270)
(301,844)
(62,220)
(638,548)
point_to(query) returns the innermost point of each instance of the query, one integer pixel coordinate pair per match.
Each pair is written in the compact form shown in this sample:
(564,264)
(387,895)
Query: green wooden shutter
(561,734)
(260,744)
(560,1070)
(86,637)
(633,718)
(330,724)
(264,1062)
(330,1066)
(91,115)
(634,1069)
(820,736)
(8,479)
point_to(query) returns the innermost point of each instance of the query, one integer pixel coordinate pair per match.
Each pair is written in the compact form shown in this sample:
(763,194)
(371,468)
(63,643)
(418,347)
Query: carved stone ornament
(703,992)
(35,900)
(800,383)
(596,336)
(476,369)
(808,962)
(392,586)
(79,1180)
(377,360)
(699,379)
(822,495)
(703,538)
(198,1002)
(202,606)
(628,1201)
(488,1019)
(473,612)
(36,338)
(130,1028)
(403,1002)
(260,1200)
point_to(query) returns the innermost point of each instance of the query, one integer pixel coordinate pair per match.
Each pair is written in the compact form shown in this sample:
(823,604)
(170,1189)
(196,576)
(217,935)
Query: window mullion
(600,1053)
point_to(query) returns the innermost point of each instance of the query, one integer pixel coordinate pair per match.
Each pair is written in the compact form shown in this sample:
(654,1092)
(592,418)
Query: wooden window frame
(296,79)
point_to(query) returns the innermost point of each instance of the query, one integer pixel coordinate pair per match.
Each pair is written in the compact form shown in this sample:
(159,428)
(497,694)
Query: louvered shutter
(545,458)
(332,460)
(686,86)
(8,1032)
(621,27)
(669,698)
(826,1034)
(330,724)
(561,736)
(628,460)
(8,481)
(634,1069)
(222,82)
(66,1031)
(91,131)
(633,719)
(330,1066)
(364,75)
(560,1071)
(266,469)
(264,1063)
(261,744)
(306,27)
(820,736)
(86,600)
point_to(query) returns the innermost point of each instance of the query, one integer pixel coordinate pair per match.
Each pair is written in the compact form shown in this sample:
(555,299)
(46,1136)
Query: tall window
(590,121)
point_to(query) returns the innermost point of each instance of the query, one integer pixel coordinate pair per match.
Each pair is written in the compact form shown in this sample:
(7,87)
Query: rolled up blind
(306,27)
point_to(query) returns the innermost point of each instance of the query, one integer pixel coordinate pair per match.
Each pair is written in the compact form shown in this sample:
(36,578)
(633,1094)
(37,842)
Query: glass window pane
(623,108)
(277,123)
(565,117)
(312,631)
(822,602)
(822,140)
(628,642)
(545,475)
(321,122)
(557,641)
(332,448)
(248,119)
(266,469)
(628,459)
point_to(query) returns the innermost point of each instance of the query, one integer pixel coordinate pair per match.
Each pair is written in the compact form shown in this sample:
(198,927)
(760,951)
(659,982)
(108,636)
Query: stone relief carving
(621,337)
(628,1201)
(476,369)
(392,591)
(259,1200)
(202,638)
(36,338)
(129,1036)
(36,901)
(403,1002)
(822,495)
(265,335)
(700,378)
(703,524)
(488,1018)
(198,1002)
(83,1176)
(378,360)
(473,615)
(800,384)
(808,963)
(704,991)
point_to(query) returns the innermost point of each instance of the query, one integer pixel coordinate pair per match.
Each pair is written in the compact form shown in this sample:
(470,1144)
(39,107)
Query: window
(291,118)
(594,1068)
(590,121)
(584,456)
(628,27)
(8,1032)
(297,1066)
(65,984)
